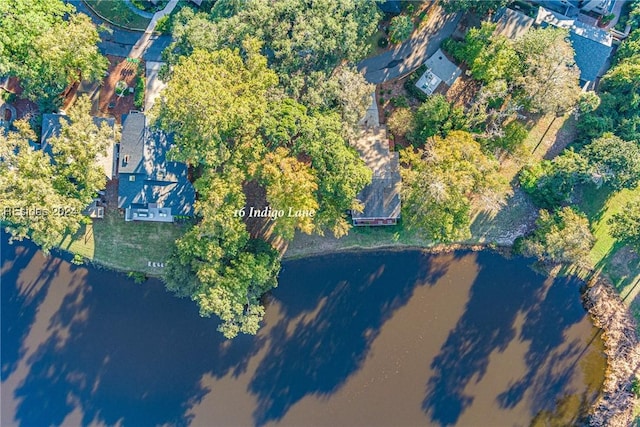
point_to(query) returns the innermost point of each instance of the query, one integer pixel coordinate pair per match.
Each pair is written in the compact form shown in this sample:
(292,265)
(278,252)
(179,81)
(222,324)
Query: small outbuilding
(440,71)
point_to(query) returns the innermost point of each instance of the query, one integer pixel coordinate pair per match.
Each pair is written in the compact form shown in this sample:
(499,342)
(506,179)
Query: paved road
(410,54)
(120,42)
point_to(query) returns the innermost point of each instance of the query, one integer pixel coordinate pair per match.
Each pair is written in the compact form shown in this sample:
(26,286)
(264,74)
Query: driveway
(120,42)
(412,53)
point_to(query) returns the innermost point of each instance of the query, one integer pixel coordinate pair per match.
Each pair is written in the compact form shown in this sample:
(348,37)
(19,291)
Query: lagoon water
(396,338)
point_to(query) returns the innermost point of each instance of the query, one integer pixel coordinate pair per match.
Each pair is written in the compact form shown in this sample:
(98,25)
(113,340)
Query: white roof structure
(575,26)
(439,70)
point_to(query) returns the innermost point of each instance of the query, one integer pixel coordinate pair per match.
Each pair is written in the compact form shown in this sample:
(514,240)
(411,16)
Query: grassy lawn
(118,13)
(614,260)
(127,246)
(374,48)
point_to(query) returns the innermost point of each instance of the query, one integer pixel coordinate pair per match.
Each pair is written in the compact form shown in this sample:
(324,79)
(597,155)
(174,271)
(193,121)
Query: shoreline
(616,402)
(435,249)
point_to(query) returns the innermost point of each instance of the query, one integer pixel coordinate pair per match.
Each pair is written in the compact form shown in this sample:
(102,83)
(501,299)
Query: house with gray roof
(512,24)
(592,46)
(440,71)
(381,198)
(51,126)
(150,187)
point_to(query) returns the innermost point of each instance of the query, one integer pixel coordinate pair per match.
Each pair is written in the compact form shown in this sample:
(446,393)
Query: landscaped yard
(123,72)
(127,246)
(118,13)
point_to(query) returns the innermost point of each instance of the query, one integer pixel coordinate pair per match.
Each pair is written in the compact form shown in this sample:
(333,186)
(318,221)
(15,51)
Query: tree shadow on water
(489,324)
(545,327)
(20,297)
(124,354)
(324,333)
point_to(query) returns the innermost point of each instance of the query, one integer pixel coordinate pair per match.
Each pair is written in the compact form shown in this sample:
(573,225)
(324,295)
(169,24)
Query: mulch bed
(119,70)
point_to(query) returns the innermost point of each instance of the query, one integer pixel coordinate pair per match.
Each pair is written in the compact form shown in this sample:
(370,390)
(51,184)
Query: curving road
(120,42)
(412,53)
(386,66)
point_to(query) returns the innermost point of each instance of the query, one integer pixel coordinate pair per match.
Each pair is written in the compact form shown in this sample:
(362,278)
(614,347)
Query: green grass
(600,205)
(374,48)
(126,246)
(118,13)
(613,259)
(499,229)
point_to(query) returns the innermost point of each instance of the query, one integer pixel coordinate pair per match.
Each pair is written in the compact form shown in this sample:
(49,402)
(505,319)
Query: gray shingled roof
(590,56)
(512,24)
(132,143)
(592,46)
(155,178)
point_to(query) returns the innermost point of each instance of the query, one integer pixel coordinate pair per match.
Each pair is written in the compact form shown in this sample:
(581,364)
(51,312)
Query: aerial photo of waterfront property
(329,213)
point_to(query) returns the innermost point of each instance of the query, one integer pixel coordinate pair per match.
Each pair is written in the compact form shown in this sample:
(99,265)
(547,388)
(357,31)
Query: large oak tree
(48,46)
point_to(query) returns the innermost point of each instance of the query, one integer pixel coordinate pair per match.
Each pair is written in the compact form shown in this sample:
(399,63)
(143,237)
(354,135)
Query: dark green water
(373,338)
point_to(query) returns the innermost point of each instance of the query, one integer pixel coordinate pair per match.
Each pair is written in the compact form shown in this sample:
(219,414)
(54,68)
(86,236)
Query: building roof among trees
(439,70)
(592,46)
(51,126)
(381,198)
(147,177)
(512,24)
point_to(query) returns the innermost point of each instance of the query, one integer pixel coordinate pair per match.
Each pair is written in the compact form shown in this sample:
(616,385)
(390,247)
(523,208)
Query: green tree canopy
(625,225)
(480,7)
(619,109)
(44,196)
(48,46)
(400,28)
(489,57)
(551,182)
(550,81)
(77,151)
(436,116)
(217,264)
(563,237)
(291,187)
(615,161)
(439,182)
(304,41)
(215,101)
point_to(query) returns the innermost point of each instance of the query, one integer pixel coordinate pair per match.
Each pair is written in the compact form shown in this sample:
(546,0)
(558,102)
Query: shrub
(137,276)
(635,387)
(121,88)
(77,259)
(164,25)
(625,225)
(562,236)
(138,100)
(400,101)
(436,116)
(514,135)
(383,42)
(401,122)
(400,28)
